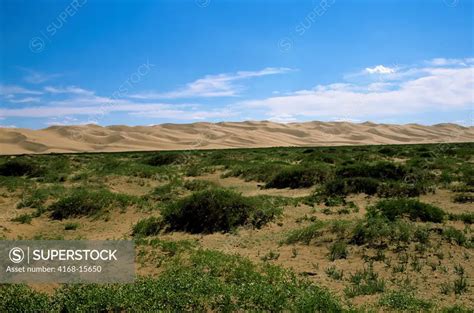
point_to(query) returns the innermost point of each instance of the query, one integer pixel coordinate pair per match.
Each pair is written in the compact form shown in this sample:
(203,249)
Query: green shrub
(404,301)
(452,234)
(334,273)
(198,184)
(71,226)
(21,298)
(305,234)
(165,158)
(402,190)
(212,210)
(373,231)
(414,209)
(208,281)
(149,226)
(20,167)
(85,202)
(338,250)
(463,198)
(23,219)
(167,192)
(378,170)
(365,282)
(467,218)
(345,186)
(298,176)
(261,172)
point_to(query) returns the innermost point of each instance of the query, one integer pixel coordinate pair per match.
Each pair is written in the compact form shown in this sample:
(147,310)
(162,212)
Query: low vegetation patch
(20,167)
(378,170)
(467,218)
(464,198)
(298,176)
(85,202)
(345,186)
(213,210)
(23,219)
(149,226)
(208,281)
(305,234)
(365,282)
(338,250)
(415,210)
(404,301)
(165,158)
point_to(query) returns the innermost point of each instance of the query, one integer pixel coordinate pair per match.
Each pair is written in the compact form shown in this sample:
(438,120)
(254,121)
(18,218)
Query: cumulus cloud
(432,89)
(380,69)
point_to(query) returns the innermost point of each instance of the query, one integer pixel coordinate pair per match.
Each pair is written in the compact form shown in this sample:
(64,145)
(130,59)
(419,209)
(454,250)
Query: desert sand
(93,138)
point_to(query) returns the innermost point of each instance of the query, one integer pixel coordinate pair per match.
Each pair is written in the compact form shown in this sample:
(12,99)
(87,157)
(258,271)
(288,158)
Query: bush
(414,209)
(211,210)
(165,158)
(365,282)
(23,219)
(305,234)
(452,234)
(167,192)
(338,250)
(208,281)
(373,230)
(298,176)
(71,226)
(261,172)
(19,167)
(334,273)
(379,170)
(84,202)
(404,301)
(401,190)
(467,218)
(21,298)
(345,186)
(198,184)
(463,198)
(147,227)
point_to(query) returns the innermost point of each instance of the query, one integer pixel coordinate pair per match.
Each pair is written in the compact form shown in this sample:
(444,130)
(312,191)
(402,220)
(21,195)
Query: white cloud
(68,90)
(450,62)
(433,89)
(35,77)
(149,110)
(7,90)
(380,69)
(25,100)
(221,85)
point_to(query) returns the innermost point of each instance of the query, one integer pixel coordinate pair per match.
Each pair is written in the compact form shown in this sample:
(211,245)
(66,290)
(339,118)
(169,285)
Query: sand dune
(93,138)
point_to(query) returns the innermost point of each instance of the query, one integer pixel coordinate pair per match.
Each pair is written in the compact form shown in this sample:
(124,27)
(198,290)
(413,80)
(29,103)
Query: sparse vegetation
(414,209)
(148,227)
(365,282)
(384,224)
(84,202)
(23,219)
(208,281)
(338,250)
(305,234)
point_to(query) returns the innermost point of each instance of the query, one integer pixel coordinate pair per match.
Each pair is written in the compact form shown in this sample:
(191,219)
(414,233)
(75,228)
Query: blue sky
(150,62)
